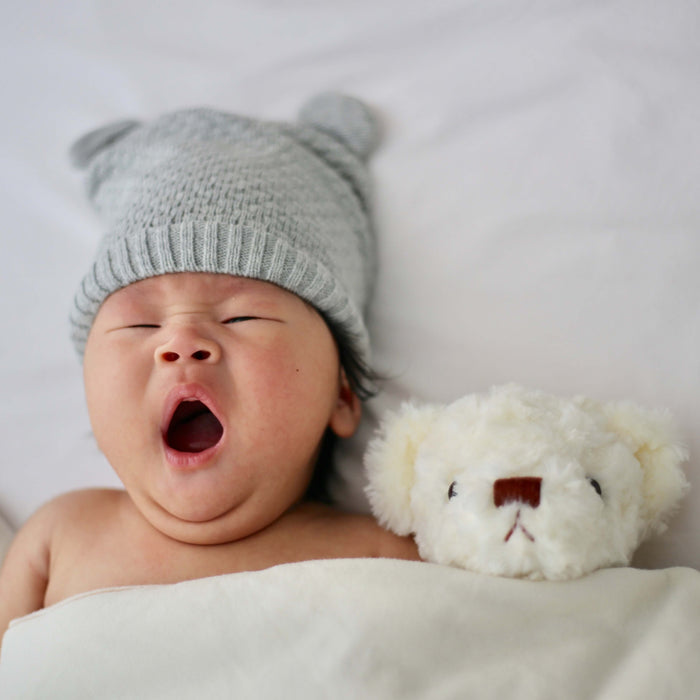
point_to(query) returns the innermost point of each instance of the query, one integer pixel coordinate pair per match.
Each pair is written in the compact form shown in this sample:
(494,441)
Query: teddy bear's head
(521,483)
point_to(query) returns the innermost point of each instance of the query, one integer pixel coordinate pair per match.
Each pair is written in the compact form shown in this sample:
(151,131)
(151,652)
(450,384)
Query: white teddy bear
(521,483)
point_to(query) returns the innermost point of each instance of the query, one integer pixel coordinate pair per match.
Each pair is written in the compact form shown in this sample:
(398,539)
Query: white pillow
(6,535)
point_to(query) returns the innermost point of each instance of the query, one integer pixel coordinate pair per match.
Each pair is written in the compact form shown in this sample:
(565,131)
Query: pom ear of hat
(84,150)
(345,118)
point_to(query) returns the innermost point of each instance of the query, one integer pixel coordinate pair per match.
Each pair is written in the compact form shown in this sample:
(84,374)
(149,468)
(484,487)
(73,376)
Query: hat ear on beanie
(345,118)
(88,146)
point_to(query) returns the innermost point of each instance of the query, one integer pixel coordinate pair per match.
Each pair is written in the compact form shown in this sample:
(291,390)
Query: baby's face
(209,395)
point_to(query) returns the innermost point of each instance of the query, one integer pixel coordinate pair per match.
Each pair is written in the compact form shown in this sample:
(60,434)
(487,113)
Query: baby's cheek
(115,393)
(296,373)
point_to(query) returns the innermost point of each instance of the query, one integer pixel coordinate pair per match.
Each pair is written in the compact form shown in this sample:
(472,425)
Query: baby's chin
(211,526)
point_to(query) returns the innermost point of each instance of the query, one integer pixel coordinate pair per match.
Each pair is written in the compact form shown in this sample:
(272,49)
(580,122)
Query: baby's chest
(91,568)
(114,560)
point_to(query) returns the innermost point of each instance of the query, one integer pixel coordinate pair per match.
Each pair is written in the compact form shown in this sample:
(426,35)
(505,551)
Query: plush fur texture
(521,483)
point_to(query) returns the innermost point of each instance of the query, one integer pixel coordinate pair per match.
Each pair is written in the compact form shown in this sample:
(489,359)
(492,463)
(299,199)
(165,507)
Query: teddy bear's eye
(596,486)
(452,491)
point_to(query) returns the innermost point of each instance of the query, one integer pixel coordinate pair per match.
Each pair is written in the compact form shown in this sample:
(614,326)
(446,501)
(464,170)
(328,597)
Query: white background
(537,195)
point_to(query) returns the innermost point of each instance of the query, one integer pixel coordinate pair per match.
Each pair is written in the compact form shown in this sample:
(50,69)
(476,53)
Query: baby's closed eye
(240,319)
(127,326)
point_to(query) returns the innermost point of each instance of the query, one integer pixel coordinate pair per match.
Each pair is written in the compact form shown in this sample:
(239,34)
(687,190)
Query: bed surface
(536,197)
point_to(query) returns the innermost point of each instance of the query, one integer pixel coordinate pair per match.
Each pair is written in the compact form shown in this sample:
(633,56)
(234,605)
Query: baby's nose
(523,489)
(171,356)
(186,345)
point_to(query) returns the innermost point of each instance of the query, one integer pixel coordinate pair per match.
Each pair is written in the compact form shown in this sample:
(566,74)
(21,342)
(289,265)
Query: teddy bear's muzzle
(523,489)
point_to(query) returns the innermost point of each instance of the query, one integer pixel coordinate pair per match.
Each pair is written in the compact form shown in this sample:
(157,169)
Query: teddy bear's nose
(523,489)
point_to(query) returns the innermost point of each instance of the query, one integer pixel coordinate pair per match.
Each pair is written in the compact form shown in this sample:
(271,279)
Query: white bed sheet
(537,200)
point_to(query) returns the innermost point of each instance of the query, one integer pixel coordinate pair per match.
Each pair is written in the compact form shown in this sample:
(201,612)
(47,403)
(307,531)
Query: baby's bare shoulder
(71,515)
(27,567)
(360,535)
(66,506)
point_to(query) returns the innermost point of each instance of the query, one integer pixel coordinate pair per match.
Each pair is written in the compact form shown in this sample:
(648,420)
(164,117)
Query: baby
(224,347)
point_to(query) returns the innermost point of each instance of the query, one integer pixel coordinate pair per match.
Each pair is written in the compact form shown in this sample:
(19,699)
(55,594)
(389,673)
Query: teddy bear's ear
(89,145)
(390,461)
(653,437)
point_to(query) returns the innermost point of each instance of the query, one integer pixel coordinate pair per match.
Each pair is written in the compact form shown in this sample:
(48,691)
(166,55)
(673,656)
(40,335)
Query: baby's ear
(653,438)
(348,409)
(390,461)
(88,146)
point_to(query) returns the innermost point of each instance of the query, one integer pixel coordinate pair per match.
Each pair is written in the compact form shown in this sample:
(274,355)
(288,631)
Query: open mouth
(193,427)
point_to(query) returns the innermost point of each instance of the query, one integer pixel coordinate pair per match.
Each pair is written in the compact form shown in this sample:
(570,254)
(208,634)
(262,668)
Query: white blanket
(366,629)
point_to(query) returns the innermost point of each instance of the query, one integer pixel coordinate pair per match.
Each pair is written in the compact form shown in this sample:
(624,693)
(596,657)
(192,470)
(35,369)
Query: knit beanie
(201,190)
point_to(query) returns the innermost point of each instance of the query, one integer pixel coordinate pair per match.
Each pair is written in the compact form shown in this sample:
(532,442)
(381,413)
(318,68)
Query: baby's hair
(361,377)
(363,381)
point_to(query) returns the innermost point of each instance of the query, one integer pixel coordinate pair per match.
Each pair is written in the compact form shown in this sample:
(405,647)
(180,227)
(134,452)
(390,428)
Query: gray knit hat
(205,191)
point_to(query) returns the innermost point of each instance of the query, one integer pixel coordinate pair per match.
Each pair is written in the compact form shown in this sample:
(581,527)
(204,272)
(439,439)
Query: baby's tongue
(194,428)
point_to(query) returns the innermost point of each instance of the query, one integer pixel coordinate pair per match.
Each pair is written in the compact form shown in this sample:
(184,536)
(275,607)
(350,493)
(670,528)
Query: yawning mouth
(193,427)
